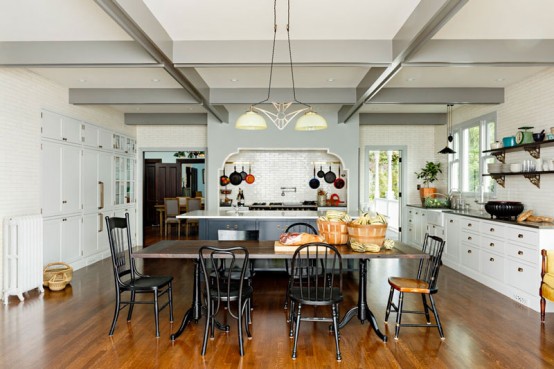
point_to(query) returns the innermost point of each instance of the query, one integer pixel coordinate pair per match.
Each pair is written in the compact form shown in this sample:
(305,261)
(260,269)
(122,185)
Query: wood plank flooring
(69,329)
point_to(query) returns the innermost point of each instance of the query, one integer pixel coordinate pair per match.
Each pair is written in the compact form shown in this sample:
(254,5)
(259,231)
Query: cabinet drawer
(492,244)
(522,253)
(493,265)
(470,225)
(470,257)
(523,276)
(492,229)
(522,235)
(469,238)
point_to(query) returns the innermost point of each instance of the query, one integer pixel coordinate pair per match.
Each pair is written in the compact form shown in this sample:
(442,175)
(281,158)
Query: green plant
(429,172)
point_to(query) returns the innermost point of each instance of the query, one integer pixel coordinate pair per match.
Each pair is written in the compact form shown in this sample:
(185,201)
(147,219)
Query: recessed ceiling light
(410,79)
(137,109)
(499,79)
(155,80)
(82,80)
(234,80)
(330,80)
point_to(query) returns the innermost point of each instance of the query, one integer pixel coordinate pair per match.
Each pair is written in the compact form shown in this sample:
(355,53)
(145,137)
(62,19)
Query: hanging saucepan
(235,178)
(243,174)
(314,182)
(330,176)
(321,173)
(250,177)
(223,180)
(339,182)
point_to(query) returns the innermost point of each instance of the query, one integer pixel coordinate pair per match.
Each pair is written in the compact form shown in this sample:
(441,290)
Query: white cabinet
(105,181)
(91,229)
(58,127)
(62,239)
(89,135)
(104,139)
(451,255)
(89,180)
(60,178)
(120,213)
(417,225)
(124,174)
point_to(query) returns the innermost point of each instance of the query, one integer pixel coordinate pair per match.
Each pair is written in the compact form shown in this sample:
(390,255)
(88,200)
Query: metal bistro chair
(425,284)
(171,212)
(300,228)
(219,288)
(128,279)
(316,279)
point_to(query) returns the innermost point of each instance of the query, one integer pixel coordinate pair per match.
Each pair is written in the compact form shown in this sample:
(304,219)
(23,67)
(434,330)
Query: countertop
(486,216)
(255,214)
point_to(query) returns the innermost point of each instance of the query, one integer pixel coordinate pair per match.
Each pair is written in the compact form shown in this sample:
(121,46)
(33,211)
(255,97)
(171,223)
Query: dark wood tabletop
(188,249)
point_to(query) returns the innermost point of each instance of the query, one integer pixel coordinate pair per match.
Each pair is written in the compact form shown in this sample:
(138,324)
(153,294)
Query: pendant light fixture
(252,120)
(447,149)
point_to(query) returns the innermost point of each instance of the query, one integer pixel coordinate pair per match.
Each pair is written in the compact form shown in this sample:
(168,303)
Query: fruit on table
(335,216)
(367,219)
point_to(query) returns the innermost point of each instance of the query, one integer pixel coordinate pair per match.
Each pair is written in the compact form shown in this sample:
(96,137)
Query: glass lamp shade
(251,121)
(311,121)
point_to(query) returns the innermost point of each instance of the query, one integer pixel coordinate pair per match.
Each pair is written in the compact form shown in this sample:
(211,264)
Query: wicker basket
(58,282)
(368,233)
(53,269)
(335,233)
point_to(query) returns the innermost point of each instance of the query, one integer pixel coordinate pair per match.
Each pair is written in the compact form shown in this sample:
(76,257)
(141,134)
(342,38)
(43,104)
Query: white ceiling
(335,45)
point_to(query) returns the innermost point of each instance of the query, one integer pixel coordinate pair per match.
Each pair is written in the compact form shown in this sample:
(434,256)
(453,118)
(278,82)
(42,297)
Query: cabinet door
(102,239)
(272,229)
(89,239)
(89,180)
(52,240)
(89,134)
(105,139)
(51,169)
(452,247)
(70,178)
(105,181)
(71,130)
(71,237)
(51,125)
(215,225)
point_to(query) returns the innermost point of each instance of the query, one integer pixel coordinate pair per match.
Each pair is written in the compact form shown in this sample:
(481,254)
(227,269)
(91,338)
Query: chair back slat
(301,228)
(316,272)
(121,248)
(429,268)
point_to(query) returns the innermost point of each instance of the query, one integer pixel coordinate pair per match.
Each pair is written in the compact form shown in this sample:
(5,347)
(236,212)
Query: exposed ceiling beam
(372,119)
(120,13)
(129,96)
(428,17)
(457,95)
(166,119)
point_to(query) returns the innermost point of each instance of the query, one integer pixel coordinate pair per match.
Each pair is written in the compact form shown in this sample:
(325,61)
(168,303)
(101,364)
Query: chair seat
(316,296)
(149,283)
(247,291)
(172,220)
(549,279)
(409,285)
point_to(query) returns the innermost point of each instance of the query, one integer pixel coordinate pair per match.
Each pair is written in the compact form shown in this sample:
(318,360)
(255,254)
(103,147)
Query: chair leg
(426,309)
(297,327)
(156,313)
(543,309)
(179,231)
(336,329)
(387,312)
(116,312)
(291,318)
(248,321)
(207,327)
(399,314)
(170,297)
(436,313)
(167,226)
(239,326)
(131,306)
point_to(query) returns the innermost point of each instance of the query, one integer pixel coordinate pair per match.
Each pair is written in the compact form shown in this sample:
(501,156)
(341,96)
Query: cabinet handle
(469,251)
(64,202)
(469,224)
(492,229)
(64,139)
(100,215)
(451,221)
(520,236)
(491,259)
(520,270)
(520,252)
(99,146)
(236,226)
(227,226)
(469,238)
(101,184)
(64,219)
(491,244)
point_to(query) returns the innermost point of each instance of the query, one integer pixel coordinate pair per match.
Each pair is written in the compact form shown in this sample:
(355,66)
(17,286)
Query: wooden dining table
(188,249)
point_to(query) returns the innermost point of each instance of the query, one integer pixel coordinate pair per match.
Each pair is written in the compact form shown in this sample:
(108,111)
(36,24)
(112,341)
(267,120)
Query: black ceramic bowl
(504,209)
(538,137)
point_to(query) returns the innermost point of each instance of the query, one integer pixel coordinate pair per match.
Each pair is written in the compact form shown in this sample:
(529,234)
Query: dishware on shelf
(496,145)
(494,167)
(505,168)
(538,137)
(515,168)
(509,141)
(551,164)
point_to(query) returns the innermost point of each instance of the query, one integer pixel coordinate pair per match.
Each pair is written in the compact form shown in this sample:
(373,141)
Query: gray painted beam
(119,96)
(74,53)
(396,95)
(134,119)
(306,95)
(120,13)
(258,52)
(428,17)
(496,52)
(372,119)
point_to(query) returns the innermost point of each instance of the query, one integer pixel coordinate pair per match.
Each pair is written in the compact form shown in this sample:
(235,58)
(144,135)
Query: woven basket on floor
(58,282)
(57,268)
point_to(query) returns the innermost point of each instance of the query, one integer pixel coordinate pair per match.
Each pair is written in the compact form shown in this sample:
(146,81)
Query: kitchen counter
(244,213)
(486,216)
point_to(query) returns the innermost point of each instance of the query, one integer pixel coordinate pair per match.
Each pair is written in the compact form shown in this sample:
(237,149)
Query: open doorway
(383,186)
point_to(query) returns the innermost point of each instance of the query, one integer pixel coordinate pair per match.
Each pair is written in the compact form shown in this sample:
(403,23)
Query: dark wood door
(168,181)
(150,215)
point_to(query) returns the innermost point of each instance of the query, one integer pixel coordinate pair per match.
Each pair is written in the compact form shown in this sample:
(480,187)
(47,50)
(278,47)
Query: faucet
(287,189)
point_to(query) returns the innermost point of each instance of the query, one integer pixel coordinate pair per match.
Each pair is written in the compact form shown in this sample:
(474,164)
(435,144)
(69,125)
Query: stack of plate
(505,168)
(494,167)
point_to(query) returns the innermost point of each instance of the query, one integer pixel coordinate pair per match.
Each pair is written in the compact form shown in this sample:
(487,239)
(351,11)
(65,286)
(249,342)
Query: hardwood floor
(69,329)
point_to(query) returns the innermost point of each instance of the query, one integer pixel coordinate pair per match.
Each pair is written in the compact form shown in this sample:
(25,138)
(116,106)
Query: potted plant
(429,174)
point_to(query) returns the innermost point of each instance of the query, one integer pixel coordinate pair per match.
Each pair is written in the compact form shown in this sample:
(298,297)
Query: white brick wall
(176,137)
(23,95)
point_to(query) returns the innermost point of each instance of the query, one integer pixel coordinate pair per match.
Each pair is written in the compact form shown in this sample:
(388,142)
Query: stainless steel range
(304,205)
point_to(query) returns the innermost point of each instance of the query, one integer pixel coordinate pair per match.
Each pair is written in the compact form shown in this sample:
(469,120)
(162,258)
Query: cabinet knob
(236,226)
(451,221)
(469,238)
(491,244)
(491,259)
(469,251)
(520,236)
(64,139)
(492,229)
(64,202)
(520,270)
(227,226)
(520,252)
(469,224)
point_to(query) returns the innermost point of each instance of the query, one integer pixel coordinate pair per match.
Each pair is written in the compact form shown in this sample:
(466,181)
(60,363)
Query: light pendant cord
(290,59)
(272,54)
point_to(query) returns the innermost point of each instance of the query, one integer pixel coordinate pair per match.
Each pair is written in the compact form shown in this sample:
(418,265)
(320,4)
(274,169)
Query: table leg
(161,224)
(195,311)
(362,310)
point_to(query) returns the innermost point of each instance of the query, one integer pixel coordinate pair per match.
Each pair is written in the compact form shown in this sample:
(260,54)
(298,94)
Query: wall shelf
(533,177)
(534,149)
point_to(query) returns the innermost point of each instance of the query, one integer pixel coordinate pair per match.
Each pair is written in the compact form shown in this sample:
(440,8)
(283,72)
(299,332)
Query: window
(467,166)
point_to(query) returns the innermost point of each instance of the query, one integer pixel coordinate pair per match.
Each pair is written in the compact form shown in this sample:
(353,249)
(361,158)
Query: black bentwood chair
(220,288)
(128,279)
(316,280)
(425,284)
(296,228)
